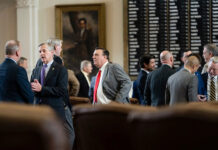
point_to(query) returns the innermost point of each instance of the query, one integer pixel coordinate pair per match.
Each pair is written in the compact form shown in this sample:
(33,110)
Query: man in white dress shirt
(112,83)
(212,81)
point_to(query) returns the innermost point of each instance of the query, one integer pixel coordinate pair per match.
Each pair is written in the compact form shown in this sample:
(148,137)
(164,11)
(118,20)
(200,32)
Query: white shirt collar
(48,67)
(103,67)
(12,59)
(49,63)
(145,70)
(86,76)
(85,73)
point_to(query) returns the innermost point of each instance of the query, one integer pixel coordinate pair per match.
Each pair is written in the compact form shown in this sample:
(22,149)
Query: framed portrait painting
(82,29)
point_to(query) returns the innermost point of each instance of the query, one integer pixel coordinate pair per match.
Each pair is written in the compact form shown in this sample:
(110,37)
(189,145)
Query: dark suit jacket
(14,84)
(135,90)
(156,84)
(141,80)
(57,59)
(54,92)
(84,86)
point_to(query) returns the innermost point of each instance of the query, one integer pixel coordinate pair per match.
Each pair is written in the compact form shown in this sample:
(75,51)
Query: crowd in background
(52,84)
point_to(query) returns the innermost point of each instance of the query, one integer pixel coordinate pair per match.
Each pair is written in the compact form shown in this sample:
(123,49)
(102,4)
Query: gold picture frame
(82,28)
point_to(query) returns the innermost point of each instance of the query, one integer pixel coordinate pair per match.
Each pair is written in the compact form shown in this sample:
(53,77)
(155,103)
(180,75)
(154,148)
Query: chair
(25,127)
(103,127)
(74,100)
(182,127)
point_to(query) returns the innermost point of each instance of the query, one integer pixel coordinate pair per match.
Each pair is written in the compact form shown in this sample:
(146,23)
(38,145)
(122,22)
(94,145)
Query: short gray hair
(55,42)
(84,64)
(211,48)
(11,47)
(21,60)
(49,45)
(214,59)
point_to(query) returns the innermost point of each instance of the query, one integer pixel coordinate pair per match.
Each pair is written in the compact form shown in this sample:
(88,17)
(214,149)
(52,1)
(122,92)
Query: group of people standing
(169,86)
(49,84)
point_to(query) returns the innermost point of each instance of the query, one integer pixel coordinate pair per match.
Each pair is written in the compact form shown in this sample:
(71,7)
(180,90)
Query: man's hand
(202,98)
(36,86)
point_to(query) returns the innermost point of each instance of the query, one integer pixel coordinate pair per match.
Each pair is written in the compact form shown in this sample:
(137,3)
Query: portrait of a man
(82,29)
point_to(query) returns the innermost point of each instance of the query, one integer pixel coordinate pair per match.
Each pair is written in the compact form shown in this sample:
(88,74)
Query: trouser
(68,126)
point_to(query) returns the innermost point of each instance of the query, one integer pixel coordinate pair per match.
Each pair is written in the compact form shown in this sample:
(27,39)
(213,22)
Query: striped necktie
(212,89)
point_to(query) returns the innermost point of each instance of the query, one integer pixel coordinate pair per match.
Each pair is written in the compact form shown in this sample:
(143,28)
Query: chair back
(192,126)
(25,127)
(103,127)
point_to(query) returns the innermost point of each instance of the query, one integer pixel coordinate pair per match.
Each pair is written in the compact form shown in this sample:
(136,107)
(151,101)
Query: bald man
(14,84)
(182,87)
(156,82)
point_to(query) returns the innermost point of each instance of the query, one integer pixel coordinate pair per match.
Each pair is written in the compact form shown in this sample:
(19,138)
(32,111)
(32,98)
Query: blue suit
(202,89)
(14,84)
(139,86)
(91,89)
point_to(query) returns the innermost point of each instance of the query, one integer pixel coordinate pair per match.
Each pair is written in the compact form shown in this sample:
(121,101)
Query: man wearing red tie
(112,83)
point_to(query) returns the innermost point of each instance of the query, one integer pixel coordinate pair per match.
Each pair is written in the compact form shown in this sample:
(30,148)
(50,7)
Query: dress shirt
(48,67)
(102,99)
(86,76)
(145,70)
(204,70)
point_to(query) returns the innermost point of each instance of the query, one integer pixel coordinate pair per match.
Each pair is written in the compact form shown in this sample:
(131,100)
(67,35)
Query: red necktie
(96,86)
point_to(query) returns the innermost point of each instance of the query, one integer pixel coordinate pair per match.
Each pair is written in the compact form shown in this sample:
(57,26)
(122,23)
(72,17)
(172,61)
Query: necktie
(43,74)
(212,89)
(96,86)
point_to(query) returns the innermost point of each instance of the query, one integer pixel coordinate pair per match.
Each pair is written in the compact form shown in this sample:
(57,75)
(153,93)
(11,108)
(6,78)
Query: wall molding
(26,3)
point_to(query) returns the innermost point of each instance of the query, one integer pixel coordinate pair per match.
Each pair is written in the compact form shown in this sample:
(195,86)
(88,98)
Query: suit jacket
(202,89)
(54,92)
(135,90)
(140,86)
(84,86)
(56,59)
(204,78)
(91,89)
(154,93)
(14,84)
(73,83)
(182,87)
(116,83)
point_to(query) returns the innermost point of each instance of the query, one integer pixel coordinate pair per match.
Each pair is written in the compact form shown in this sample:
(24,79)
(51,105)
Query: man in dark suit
(182,87)
(112,83)
(49,82)
(156,81)
(83,77)
(14,84)
(147,64)
(212,74)
(57,43)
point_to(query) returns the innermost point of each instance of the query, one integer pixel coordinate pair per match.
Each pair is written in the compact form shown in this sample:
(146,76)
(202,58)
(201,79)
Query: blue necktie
(43,74)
